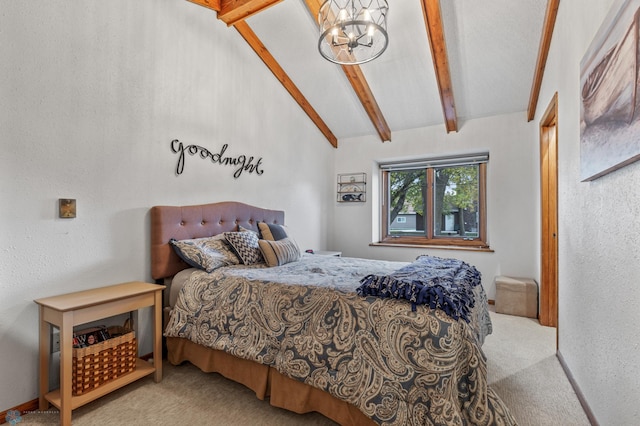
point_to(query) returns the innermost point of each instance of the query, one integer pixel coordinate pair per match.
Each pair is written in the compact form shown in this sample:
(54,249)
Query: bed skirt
(266,382)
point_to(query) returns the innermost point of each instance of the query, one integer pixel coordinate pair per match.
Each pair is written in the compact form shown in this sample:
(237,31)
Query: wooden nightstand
(68,310)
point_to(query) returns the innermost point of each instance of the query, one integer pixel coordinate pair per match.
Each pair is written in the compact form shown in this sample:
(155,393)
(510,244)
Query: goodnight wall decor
(242,163)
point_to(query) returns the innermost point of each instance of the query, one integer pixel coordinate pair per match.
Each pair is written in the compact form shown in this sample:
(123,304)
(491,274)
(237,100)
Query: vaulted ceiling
(447,62)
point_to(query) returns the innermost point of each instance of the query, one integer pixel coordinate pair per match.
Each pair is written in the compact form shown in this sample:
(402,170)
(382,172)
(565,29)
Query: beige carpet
(522,369)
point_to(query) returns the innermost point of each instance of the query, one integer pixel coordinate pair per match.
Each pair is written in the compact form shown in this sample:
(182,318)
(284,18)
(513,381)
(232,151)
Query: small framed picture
(67,208)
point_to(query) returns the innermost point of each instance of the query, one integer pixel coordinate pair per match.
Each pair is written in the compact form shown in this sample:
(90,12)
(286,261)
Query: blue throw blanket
(446,284)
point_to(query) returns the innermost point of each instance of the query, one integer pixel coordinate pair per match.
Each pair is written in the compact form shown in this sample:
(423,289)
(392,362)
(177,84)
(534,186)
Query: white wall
(599,253)
(512,188)
(91,95)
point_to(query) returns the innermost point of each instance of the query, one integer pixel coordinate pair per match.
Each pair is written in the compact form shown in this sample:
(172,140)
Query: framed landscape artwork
(610,102)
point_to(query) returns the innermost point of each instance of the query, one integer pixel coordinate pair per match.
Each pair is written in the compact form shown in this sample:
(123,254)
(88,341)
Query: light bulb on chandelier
(353,31)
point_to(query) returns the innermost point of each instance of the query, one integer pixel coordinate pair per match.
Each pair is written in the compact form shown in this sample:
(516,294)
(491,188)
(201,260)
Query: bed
(301,336)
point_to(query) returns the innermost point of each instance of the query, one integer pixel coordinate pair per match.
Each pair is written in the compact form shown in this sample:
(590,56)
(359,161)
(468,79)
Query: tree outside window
(441,205)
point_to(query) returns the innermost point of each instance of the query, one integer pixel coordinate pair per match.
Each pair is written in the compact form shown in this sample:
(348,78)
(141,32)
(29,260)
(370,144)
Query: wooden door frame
(549,215)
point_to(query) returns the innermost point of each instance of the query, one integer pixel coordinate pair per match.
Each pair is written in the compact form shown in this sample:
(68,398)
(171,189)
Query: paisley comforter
(398,366)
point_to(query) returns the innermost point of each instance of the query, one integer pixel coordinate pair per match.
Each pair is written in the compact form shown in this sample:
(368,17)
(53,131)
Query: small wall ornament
(67,208)
(352,187)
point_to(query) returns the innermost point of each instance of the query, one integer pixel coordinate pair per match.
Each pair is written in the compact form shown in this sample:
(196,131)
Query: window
(436,201)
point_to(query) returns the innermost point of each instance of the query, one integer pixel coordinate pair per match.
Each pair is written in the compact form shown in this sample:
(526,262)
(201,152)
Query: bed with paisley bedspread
(304,335)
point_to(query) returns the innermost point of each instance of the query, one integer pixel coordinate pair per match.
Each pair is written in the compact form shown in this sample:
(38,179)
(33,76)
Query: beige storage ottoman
(516,296)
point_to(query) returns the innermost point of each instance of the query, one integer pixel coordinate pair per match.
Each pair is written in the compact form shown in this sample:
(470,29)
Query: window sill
(434,247)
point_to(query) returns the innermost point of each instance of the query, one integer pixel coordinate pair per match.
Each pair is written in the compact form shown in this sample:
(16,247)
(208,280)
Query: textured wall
(599,254)
(512,188)
(91,95)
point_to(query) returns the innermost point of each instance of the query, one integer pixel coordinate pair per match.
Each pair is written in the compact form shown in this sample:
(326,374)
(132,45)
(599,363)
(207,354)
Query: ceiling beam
(363,91)
(250,37)
(233,11)
(435,33)
(360,86)
(543,53)
(210,4)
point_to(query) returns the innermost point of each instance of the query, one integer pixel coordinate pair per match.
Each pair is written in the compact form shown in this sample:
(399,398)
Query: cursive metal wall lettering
(244,163)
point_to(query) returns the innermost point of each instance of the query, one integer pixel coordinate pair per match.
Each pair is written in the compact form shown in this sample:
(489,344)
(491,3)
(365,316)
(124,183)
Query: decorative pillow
(279,252)
(207,253)
(245,244)
(272,232)
(243,229)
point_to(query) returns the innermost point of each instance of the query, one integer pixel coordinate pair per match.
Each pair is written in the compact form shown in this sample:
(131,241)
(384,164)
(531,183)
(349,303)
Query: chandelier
(353,31)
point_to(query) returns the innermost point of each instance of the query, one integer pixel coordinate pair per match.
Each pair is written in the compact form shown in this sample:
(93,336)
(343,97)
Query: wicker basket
(98,364)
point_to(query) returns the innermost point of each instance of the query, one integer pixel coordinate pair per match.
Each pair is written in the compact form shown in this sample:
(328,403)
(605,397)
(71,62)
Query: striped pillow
(277,253)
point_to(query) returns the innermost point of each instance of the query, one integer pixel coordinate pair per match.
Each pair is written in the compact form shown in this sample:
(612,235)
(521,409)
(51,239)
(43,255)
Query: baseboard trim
(585,406)
(22,408)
